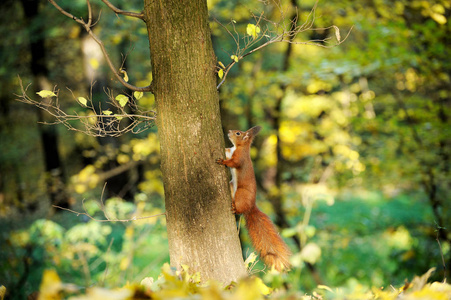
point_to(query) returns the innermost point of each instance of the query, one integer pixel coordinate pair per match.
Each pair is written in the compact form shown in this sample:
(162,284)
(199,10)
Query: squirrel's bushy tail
(268,243)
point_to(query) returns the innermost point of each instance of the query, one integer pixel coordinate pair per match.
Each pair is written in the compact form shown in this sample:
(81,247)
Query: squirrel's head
(238,137)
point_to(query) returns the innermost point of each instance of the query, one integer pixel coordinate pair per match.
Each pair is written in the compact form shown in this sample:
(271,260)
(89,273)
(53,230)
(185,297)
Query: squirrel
(264,236)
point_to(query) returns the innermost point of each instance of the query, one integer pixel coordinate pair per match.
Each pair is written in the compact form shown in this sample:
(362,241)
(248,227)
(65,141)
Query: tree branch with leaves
(266,32)
(95,124)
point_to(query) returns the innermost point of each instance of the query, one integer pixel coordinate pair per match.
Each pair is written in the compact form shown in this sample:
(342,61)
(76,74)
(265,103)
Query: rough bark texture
(201,227)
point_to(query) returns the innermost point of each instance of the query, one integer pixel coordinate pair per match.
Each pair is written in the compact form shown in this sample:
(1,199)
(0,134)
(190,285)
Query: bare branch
(103,209)
(276,32)
(87,27)
(123,12)
(96,122)
(106,216)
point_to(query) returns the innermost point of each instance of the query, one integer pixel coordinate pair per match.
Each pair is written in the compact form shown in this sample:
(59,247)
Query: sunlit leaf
(51,285)
(234,57)
(441,19)
(125,74)
(94,63)
(138,95)
(125,263)
(46,94)
(118,117)
(253,30)
(2,292)
(221,73)
(107,112)
(250,259)
(122,99)
(265,290)
(82,100)
(221,64)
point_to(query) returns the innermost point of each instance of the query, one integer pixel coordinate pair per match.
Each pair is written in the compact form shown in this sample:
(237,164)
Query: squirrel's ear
(254,130)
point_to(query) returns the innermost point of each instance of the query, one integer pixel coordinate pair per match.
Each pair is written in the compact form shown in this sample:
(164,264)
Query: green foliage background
(355,146)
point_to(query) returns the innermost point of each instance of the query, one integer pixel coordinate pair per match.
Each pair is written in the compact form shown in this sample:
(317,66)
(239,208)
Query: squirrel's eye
(238,133)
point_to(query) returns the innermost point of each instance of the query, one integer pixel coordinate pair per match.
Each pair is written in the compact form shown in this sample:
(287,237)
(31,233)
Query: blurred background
(352,164)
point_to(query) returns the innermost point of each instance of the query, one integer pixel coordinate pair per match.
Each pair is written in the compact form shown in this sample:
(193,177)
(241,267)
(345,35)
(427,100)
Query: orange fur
(268,243)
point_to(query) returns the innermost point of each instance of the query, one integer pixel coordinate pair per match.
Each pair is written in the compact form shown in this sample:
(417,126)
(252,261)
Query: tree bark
(201,227)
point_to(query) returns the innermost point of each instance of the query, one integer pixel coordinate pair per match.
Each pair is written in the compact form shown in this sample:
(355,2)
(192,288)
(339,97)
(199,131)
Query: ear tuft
(254,130)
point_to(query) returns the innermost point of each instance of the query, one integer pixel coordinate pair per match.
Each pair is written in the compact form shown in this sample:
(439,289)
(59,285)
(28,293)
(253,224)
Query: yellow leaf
(2,292)
(82,100)
(252,30)
(234,57)
(107,112)
(125,74)
(221,64)
(262,287)
(46,94)
(125,263)
(250,259)
(122,99)
(50,286)
(221,73)
(118,117)
(138,95)
(441,19)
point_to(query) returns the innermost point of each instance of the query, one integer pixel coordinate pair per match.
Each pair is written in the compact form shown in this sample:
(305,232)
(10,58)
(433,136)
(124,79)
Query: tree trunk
(56,185)
(201,227)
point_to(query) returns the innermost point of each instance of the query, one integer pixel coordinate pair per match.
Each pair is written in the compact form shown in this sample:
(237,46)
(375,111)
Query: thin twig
(107,220)
(123,12)
(87,27)
(280,32)
(102,283)
(95,124)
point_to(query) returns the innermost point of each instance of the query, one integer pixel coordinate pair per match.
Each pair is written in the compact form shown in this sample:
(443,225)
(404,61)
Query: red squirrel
(268,243)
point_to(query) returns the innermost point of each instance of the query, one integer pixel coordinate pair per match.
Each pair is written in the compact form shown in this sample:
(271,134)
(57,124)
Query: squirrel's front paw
(219,161)
(233,208)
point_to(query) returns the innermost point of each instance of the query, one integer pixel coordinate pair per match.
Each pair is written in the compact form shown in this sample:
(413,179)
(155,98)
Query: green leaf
(118,117)
(46,94)
(221,73)
(82,100)
(107,112)
(138,95)
(234,57)
(122,99)
(252,30)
